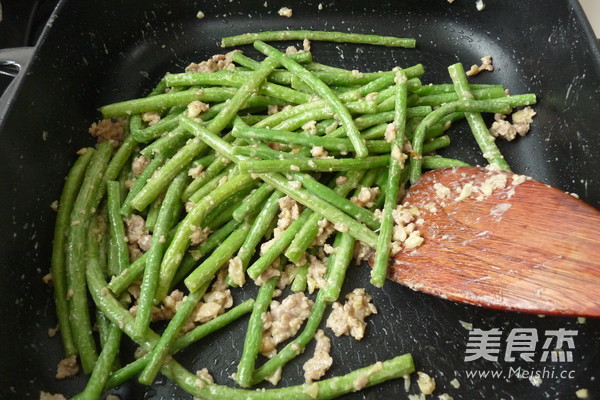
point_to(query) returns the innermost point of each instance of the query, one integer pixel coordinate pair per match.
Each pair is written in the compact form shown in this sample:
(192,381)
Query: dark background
(21,25)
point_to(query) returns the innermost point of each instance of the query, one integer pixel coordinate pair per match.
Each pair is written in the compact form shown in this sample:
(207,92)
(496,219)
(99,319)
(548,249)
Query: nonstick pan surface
(94,53)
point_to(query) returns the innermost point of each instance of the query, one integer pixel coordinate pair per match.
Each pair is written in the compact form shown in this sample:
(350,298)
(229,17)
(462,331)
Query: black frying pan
(102,52)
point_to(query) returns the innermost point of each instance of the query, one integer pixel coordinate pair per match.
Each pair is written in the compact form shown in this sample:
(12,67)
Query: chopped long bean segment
(204,177)
(312,164)
(435,144)
(329,195)
(103,366)
(238,101)
(167,100)
(297,345)
(467,106)
(254,332)
(430,89)
(140,182)
(211,185)
(322,90)
(366,121)
(167,144)
(164,223)
(262,151)
(201,331)
(309,232)
(121,282)
(118,243)
(253,202)
(391,189)
(190,260)
(111,345)
(166,124)
(338,264)
(331,213)
(328,143)
(277,247)
(165,175)
(206,271)
(193,219)
(61,229)
(437,162)
(437,99)
(341,37)
(482,135)
(300,279)
(301,57)
(116,165)
(224,211)
(75,260)
(237,79)
(163,346)
(259,227)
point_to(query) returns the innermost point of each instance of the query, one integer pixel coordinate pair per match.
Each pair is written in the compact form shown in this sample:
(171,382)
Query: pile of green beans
(250,159)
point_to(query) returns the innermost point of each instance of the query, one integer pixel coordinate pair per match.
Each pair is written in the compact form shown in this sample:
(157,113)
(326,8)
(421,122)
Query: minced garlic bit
(275,377)
(200,15)
(236,271)
(445,396)
(390,132)
(285,12)
(204,378)
(53,331)
(426,383)
(215,302)
(315,277)
(196,108)
(151,117)
(319,152)
(321,361)
(67,367)
(196,171)
(138,236)
(199,235)
(405,233)
(467,325)
(536,380)
(283,320)
(306,45)
(218,62)
(455,383)
(50,396)
(47,278)
(582,394)
(480,5)
(521,123)
(54,205)
(349,319)
(486,65)
(110,130)
(310,127)
(139,164)
(366,196)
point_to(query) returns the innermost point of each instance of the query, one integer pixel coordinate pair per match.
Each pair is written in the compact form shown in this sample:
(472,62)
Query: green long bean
(482,135)
(342,37)
(323,91)
(75,260)
(61,229)
(254,332)
(166,220)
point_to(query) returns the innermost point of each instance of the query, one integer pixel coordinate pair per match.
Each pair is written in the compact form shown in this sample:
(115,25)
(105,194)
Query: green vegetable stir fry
(192,197)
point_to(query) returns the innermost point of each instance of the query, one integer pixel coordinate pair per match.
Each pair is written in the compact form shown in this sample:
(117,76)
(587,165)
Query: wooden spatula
(524,247)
